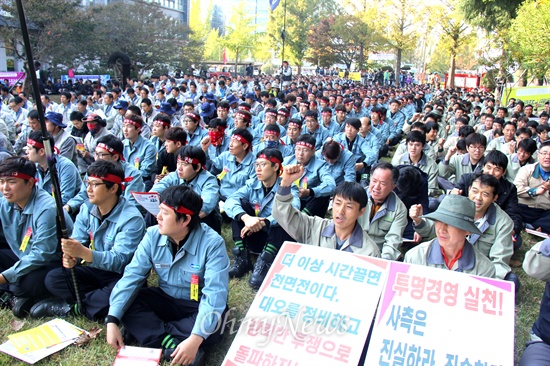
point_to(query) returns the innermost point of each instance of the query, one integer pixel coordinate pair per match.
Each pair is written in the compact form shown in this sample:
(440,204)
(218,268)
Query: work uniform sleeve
(42,246)
(394,237)
(295,203)
(70,180)
(210,195)
(537,261)
(447,168)
(349,169)
(148,159)
(135,275)
(81,197)
(296,224)
(327,186)
(522,181)
(503,248)
(215,291)
(232,205)
(171,179)
(426,229)
(125,243)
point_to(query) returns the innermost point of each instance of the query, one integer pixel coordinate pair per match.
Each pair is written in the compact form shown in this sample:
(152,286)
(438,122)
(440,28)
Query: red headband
(271,113)
(19,175)
(113,179)
(271,159)
(243,116)
(180,209)
(294,124)
(193,116)
(283,113)
(187,159)
(276,133)
(326,112)
(241,139)
(132,122)
(159,122)
(101,145)
(245,108)
(35,143)
(305,144)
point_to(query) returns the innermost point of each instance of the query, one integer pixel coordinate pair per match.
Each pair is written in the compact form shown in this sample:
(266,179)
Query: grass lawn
(240,296)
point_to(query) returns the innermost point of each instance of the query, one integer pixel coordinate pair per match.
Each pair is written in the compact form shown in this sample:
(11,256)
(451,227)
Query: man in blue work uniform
(272,140)
(316,184)
(191,262)
(340,162)
(68,175)
(105,236)
(234,167)
(192,125)
(397,119)
(110,148)
(216,143)
(28,216)
(351,140)
(254,228)
(190,171)
(137,150)
(316,130)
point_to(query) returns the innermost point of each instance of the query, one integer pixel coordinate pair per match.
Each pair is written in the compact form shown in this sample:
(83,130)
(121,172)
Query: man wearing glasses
(533,191)
(105,236)
(254,228)
(459,165)
(316,185)
(110,148)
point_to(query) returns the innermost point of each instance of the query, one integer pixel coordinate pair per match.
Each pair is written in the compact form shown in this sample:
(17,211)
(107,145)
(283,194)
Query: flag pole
(283,35)
(47,146)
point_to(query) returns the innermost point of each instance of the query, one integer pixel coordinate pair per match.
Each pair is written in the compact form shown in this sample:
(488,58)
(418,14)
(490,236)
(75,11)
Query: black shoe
(241,265)
(263,263)
(21,306)
(199,360)
(50,307)
(5,297)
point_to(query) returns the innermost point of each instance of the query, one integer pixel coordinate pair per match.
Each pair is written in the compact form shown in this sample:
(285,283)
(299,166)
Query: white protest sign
(149,200)
(315,307)
(430,316)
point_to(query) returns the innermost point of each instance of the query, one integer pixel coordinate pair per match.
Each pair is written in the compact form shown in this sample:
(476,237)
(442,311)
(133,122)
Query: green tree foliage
(399,31)
(457,34)
(53,31)
(529,37)
(490,15)
(143,32)
(240,36)
(301,15)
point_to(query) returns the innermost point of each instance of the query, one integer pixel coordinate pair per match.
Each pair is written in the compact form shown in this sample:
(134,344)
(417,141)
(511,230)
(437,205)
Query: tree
(319,42)
(144,33)
(399,31)
(457,33)
(301,15)
(200,20)
(240,35)
(52,31)
(490,15)
(529,37)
